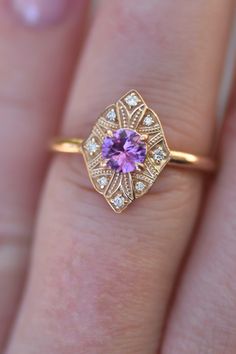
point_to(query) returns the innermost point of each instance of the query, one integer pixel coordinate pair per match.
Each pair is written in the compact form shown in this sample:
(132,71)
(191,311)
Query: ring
(127,150)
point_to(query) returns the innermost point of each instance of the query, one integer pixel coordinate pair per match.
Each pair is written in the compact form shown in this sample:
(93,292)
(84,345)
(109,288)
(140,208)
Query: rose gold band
(177,158)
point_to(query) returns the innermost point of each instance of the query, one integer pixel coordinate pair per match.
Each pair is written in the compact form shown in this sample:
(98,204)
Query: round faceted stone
(124,150)
(139,186)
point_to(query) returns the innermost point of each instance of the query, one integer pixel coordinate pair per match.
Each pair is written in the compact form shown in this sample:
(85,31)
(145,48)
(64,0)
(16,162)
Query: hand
(102,283)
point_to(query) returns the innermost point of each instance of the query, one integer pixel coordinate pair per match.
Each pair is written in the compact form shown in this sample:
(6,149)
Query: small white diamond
(111,115)
(102,181)
(159,154)
(132,100)
(139,186)
(118,201)
(148,120)
(92,146)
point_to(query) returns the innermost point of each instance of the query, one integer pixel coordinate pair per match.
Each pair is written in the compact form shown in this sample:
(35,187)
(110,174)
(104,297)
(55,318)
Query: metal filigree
(121,189)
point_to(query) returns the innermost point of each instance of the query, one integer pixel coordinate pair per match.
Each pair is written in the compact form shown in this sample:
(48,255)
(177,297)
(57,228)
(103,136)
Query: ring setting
(126,151)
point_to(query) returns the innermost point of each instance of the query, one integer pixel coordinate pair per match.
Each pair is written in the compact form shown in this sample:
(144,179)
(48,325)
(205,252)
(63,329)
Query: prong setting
(110,133)
(144,137)
(92,146)
(103,163)
(140,166)
(159,154)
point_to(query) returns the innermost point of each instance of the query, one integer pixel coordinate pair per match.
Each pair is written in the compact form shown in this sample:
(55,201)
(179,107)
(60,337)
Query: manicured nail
(41,12)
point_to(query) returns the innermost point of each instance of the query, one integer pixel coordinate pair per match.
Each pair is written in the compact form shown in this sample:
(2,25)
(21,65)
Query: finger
(35,70)
(204,315)
(105,280)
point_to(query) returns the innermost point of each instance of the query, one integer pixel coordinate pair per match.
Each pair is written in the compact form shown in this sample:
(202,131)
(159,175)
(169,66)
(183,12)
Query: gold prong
(109,133)
(144,137)
(140,166)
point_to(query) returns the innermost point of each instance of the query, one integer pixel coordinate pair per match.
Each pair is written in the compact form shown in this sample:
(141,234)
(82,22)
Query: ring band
(127,150)
(177,158)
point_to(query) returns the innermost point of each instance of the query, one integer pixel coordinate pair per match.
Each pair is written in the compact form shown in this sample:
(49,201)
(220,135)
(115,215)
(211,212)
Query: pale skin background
(76,278)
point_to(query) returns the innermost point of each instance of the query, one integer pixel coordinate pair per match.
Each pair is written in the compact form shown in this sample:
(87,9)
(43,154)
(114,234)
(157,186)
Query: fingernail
(41,12)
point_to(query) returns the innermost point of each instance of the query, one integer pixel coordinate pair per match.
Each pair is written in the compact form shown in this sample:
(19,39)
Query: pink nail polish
(40,12)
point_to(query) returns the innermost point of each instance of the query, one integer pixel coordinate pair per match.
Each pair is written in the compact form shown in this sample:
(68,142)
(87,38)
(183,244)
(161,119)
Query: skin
(100,282)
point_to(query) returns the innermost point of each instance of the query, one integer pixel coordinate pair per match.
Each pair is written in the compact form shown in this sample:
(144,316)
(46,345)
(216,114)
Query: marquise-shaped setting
(126,151)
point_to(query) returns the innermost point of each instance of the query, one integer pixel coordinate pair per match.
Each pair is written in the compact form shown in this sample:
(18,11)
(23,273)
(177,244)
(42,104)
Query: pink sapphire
(124,150)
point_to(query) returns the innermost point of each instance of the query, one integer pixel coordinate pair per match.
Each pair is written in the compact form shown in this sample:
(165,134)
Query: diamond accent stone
(159,154)
(111,115)
(118,201)
(132,100)
(124,150)
(139,186)
(148,120)
(92,146)
(102,181)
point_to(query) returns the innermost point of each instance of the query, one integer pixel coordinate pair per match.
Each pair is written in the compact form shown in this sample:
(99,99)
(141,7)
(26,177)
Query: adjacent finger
(203,319)
(35,70)
(100,283)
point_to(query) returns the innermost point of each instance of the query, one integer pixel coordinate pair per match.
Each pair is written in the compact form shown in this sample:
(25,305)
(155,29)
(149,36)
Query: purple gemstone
(124,150)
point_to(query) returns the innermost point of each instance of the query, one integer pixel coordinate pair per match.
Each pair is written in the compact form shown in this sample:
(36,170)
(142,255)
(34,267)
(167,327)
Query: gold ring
(127,150)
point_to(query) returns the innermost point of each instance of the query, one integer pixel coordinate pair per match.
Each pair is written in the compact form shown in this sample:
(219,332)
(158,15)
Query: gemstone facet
(124,150)
(132,100)
(148,120)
